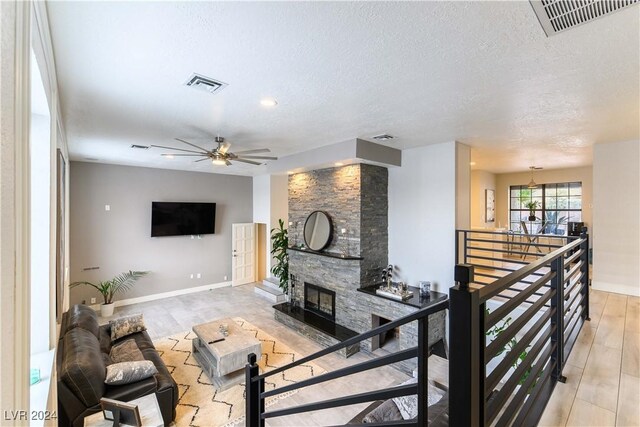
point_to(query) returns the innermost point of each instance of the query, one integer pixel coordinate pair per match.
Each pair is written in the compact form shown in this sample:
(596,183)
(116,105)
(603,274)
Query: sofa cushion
(129,372)
(83,369)
(127,325)
(408,405)
(125,351)
(84,317)
(385,412)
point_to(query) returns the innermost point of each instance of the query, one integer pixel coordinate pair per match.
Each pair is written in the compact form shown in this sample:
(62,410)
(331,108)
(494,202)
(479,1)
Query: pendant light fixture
(532,183)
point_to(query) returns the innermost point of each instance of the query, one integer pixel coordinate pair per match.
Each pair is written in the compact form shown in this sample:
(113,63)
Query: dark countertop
(330,328)
(415,301)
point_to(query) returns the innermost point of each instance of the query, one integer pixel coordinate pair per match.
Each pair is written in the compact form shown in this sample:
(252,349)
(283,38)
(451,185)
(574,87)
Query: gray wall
(119,239)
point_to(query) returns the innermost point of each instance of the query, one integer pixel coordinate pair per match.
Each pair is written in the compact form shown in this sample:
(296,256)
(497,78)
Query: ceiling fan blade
(259,157)
(201,160)
(247,161)
(227,162)
(193,145)
(224,148)
(256,151)
(172,148)
(180,154)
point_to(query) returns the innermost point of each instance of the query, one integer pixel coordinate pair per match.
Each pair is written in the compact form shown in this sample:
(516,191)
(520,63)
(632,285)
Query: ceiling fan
(220,155)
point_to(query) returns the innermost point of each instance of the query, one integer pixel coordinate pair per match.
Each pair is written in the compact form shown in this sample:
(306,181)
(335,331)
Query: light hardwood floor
(603,370)
(602,388)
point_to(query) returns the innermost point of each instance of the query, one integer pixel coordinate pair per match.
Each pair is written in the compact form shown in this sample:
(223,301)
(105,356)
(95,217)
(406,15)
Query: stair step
(273,295)
(272,282)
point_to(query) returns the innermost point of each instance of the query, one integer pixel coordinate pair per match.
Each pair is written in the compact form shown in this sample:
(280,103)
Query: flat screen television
(182,218)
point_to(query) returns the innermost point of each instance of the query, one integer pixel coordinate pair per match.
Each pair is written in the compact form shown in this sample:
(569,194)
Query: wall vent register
(556,16)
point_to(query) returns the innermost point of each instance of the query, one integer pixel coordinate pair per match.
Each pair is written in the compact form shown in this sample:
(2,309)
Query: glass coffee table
(224,361)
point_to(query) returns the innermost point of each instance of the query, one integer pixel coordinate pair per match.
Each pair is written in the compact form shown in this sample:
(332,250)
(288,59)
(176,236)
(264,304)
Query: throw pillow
(126,326)
(126,351)
(387,411)
(408,405)
(129,372)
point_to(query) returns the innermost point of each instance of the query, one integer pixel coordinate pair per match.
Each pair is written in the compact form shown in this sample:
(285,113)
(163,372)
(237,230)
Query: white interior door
(244,254)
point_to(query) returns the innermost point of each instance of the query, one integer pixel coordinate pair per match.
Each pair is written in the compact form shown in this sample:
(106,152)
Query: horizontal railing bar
(575,318)
(493,267)
(572,258)
(504,242)
(492,276)
(507,389)
(511,233)
(537,401)
(507,362)
(496,287)
(569,303)
(386,423)
(517,324)
(543,374)
(505,251)
(349,370)
(384,394)
(505,309)
(510,261)
(572,271)
(425,312)
(571,338)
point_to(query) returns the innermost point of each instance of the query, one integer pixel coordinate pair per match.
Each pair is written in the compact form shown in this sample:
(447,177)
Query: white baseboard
(169,294)
(616,288)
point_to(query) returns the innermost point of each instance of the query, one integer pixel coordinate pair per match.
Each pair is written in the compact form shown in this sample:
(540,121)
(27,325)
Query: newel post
(255,404)
(467,344)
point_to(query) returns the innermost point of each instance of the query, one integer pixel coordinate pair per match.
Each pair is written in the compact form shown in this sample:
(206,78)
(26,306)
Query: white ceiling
(482,73)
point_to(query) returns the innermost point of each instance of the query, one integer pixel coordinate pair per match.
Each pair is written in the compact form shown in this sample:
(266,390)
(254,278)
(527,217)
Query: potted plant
(121,283)
(279,246)
(532,206)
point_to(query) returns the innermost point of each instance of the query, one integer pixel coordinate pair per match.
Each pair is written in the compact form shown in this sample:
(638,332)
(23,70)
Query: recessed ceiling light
(339,164)
(268,102)
(472,163)
(169,156)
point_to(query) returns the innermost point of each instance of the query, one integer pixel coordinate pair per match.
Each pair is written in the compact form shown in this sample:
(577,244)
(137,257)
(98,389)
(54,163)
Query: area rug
(200,404)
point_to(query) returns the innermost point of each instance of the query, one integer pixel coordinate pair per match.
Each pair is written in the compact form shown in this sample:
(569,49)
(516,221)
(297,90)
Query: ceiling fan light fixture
(219,162)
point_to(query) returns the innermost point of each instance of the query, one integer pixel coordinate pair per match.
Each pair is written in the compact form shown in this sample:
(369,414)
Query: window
(558,204)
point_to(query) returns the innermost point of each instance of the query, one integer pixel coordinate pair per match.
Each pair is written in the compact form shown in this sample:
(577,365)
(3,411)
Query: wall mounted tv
(182,218)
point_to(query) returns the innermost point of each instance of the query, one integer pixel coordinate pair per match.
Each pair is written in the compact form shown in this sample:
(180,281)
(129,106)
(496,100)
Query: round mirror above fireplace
(317,231)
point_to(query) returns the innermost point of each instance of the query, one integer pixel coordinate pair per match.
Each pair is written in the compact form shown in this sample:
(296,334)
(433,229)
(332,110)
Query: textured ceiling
(482,73)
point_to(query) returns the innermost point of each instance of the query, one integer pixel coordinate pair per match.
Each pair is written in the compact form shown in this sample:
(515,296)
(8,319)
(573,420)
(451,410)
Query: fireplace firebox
(320,300)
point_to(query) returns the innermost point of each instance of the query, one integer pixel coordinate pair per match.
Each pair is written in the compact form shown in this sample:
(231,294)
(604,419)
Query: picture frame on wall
(490,205)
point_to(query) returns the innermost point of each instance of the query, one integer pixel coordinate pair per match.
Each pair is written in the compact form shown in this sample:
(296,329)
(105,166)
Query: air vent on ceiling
(383,137)
(207,84)
(556,16)
(140,147)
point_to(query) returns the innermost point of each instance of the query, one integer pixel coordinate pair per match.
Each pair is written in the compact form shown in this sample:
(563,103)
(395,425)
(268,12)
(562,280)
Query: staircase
(270,290)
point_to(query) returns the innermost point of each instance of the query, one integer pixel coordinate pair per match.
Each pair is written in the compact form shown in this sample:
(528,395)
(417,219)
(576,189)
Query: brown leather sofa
(82,357)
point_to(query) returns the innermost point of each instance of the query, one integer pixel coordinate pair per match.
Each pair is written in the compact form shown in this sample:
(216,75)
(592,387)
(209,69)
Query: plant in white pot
(121,283)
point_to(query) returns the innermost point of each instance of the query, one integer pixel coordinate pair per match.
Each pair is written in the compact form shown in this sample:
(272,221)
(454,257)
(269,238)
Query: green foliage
(494,332)
(121,283)
(279,246)
(532,206)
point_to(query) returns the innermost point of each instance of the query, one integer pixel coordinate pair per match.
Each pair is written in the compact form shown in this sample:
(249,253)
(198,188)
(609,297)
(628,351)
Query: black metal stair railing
(506,378)
(256,393)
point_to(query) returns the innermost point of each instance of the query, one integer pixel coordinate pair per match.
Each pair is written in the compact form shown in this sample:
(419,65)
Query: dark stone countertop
(415,301)
(330,328)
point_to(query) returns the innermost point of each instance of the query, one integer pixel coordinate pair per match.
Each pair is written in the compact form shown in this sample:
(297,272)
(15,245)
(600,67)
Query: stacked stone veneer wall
(355,197)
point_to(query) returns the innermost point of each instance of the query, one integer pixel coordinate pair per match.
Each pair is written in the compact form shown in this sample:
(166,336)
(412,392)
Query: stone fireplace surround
(355,197)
